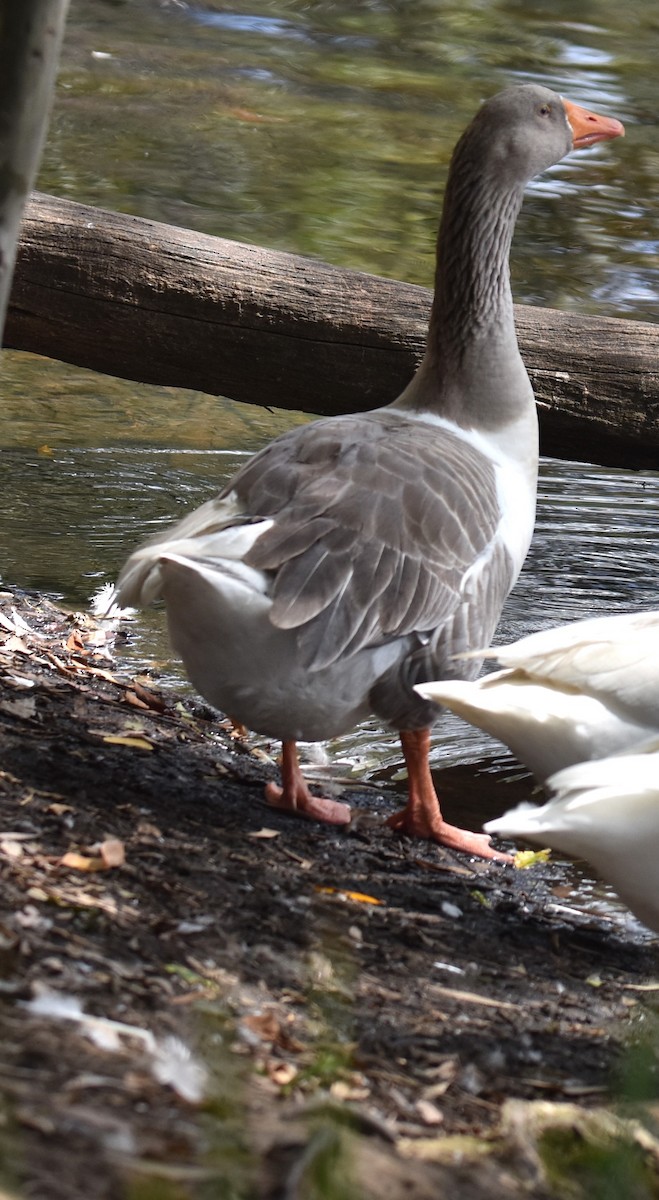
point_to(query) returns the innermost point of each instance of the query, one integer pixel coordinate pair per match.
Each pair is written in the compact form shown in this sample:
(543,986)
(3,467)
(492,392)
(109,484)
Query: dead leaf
(146,829)
(267,1027)
(236,730)
(264,833)
(97,638)
(57,662)
(562,891)
(20,681)
(117,739)
(356,897)
(426,865)
(200,993)
(11,849)
(524,859)
(75,643)
(260,755)
(343,1090)
(471,998)
(428,1112)
(58,810)
(80,862)
(437,1090)
(15,644)
(281,1073)
(37,893)
(84,669)
(6,623)
(110,853)
(305,863)
(149,698)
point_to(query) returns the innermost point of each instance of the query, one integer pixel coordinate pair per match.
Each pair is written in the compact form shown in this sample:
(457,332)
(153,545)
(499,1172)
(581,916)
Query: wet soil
(200,997)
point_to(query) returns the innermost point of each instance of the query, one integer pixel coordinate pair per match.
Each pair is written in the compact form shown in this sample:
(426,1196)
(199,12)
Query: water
(325,129)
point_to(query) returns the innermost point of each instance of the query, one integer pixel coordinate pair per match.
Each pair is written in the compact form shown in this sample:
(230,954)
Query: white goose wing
(607,812)
(615,659)
(618,777)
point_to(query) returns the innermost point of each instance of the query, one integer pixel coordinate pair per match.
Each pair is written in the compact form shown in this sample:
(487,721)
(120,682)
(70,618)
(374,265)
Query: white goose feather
(606,812)
(566,695)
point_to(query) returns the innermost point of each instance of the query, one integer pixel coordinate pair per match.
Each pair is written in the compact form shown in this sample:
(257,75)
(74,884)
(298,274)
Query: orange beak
(588,127)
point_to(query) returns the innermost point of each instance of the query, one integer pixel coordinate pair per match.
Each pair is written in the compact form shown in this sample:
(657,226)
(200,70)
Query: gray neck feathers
(472,282)
(472,372)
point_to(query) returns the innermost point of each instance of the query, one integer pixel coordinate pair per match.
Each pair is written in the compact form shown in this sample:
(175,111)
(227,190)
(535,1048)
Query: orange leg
(294,795)
(422,816)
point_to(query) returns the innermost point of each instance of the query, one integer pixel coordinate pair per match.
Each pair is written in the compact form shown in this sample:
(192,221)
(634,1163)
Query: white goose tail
(217,533)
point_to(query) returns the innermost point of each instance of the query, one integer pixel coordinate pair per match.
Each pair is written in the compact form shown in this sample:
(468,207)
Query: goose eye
(545,110)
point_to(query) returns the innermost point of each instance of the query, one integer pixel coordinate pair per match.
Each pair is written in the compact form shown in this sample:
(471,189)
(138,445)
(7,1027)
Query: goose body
(567,695)
(353,557)
(606,812)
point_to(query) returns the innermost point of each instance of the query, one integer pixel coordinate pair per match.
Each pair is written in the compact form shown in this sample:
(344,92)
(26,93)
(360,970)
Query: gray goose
(352,558)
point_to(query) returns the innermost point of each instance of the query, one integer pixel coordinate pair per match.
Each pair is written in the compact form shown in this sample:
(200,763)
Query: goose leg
(294,795)
(422,815)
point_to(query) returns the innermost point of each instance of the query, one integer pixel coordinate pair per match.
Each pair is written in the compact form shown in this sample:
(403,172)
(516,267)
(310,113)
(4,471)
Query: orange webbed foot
(315,808)
(422,818)
(294,795)
(422,825)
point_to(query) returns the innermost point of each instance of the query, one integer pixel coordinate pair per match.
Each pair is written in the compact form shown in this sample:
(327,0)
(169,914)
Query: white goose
(608,813)
(353,557)
(577,692)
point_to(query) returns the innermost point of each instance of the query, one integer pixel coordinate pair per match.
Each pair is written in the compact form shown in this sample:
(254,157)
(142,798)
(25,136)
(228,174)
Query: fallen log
(165,305)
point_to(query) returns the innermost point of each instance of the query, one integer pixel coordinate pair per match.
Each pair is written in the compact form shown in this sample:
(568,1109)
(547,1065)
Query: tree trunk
(30,38)
(165,305)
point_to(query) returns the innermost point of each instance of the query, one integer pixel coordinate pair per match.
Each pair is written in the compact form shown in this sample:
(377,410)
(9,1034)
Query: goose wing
(381,526)
(613,658)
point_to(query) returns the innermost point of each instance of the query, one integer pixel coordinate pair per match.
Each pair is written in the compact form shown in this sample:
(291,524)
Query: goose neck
(473,298)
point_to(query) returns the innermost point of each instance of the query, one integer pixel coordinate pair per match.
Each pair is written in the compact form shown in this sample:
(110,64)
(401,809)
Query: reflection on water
(326,129)
(247,23)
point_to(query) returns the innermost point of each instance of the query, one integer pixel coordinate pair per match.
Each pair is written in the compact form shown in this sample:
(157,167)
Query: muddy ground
(200,997)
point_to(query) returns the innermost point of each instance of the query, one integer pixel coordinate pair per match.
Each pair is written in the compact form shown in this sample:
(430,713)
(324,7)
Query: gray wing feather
(376,521)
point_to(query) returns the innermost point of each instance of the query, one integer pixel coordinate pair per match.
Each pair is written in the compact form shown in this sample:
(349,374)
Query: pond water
(325,129)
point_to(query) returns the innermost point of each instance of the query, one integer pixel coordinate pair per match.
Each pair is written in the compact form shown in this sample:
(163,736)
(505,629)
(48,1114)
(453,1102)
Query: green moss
(324,1170)
(583,1169)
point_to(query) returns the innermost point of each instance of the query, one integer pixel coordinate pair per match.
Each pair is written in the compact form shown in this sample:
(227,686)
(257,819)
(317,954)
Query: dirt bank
(202,998)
